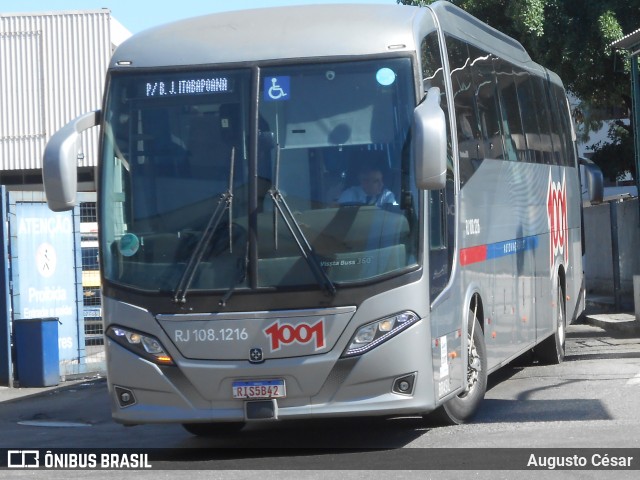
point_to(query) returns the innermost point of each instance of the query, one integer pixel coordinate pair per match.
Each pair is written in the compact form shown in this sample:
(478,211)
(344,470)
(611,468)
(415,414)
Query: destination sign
(188,86)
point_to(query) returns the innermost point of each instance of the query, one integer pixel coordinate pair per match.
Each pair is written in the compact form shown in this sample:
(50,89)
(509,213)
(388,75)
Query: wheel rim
(474,366)
(561,332)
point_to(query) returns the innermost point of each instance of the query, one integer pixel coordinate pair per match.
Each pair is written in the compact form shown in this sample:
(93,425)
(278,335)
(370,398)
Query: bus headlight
(373,334)
(141,344)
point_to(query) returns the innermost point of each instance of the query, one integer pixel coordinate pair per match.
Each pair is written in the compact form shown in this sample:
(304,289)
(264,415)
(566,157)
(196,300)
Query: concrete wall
(52,69)
(598,264)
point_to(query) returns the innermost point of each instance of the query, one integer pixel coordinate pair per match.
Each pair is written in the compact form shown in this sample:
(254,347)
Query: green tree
(573,38)
(618,148)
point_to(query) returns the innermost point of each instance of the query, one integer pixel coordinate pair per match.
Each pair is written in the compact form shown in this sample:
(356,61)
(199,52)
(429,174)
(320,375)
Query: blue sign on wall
(46,270)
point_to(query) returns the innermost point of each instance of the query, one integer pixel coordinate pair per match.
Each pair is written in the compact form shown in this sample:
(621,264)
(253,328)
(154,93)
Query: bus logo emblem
(557,218)
(255,355)
(302,334)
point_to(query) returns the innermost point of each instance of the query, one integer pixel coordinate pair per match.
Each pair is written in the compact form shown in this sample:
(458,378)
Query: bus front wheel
(462,408)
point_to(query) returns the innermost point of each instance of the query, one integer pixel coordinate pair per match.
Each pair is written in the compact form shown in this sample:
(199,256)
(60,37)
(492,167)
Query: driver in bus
(370,191)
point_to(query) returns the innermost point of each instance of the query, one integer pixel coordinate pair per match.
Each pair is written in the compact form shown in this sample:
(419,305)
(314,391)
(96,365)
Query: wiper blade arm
(301,240)
(180,294)
(243,267)
(225,203)
(294,227)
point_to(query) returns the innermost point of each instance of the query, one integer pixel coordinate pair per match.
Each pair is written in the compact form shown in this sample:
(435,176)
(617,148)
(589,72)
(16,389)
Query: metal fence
(92,301)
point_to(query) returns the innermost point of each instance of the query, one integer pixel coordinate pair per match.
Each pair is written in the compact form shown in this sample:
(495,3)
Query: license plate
(259,389)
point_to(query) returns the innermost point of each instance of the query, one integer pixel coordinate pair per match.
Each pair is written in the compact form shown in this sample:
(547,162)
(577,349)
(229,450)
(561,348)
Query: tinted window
(515,145)
(488,107)
(467,121)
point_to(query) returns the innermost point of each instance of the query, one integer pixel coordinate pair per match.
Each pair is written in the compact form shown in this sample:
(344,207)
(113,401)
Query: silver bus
(327,211)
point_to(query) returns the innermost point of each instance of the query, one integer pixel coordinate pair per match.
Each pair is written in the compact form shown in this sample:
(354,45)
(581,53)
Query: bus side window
(515,146)
(544,120)
(484,83)
(441,208)
(566,142)
(467,118)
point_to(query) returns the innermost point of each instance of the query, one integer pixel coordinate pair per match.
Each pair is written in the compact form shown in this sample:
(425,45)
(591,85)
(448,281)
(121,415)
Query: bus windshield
(321,179)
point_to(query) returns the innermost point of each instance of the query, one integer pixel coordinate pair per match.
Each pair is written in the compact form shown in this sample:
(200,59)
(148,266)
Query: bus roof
(274,33)
(305,31)
(465,26)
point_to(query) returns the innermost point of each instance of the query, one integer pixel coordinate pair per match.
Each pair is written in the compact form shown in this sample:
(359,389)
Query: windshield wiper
(298,235)
(243,268)
(224,204)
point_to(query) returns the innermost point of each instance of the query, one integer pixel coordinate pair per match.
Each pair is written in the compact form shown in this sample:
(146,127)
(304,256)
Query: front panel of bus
(260,231)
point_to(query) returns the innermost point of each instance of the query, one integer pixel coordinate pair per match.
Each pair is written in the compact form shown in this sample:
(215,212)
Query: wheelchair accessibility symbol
(276,88)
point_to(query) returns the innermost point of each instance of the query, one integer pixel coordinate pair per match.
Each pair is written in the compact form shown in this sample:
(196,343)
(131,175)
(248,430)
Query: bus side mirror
(60,162)
(430,142)
(593,179)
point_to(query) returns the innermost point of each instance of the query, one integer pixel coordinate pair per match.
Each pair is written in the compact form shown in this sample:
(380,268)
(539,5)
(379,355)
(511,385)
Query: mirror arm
(594,180)
(60,162)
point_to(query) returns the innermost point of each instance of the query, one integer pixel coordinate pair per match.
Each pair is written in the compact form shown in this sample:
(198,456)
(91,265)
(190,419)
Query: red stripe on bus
(473,255)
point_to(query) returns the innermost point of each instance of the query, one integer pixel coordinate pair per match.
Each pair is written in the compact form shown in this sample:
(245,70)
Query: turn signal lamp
(375,333)
(146,346)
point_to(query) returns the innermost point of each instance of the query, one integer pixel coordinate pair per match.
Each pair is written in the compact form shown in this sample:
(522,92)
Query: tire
(462,408)
(213,429)
(551,350)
